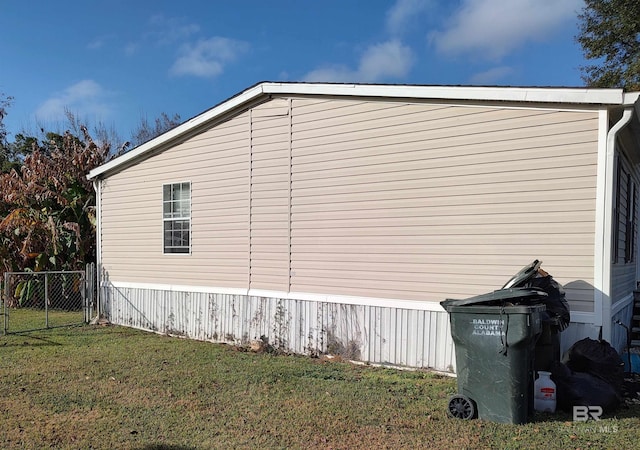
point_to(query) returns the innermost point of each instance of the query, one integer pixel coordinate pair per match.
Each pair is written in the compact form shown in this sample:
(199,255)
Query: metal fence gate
(38,300)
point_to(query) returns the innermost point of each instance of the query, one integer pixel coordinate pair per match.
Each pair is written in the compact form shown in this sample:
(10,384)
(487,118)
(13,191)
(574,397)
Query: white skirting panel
(374,334)
(386,335)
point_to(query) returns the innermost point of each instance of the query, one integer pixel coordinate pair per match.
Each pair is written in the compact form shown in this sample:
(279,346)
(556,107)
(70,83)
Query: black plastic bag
(582,389)
(557,306)
(599,359)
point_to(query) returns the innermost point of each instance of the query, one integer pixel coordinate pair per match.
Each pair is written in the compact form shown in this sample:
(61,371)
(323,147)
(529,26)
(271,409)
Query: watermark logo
(584,413)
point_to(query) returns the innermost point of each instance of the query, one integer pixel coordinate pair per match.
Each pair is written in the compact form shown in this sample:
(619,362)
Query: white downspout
(96,188)
(608,221)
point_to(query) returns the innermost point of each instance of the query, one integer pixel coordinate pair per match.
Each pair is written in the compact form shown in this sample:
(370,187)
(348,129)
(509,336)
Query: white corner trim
(602,244)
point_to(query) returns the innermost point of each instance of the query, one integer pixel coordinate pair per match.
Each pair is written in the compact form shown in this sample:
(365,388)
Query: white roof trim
(553,95)
(630,98)
(473,93)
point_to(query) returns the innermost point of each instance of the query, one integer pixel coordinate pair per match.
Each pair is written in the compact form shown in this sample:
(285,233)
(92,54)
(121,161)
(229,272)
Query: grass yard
(27,319)
(113,387)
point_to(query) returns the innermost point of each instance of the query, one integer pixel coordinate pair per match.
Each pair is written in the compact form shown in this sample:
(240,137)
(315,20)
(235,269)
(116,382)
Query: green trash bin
(495,336)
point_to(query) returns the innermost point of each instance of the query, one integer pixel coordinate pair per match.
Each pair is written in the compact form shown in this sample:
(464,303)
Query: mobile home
(333,218)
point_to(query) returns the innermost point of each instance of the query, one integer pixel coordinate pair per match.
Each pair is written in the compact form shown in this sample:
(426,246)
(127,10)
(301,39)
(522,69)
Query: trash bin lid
(525,274)
(500,297)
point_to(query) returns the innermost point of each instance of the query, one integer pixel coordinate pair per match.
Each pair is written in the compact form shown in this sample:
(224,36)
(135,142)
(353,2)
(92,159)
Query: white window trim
(189,218)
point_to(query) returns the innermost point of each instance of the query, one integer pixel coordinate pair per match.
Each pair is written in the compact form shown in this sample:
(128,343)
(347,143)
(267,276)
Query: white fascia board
(514,94)
(187,126)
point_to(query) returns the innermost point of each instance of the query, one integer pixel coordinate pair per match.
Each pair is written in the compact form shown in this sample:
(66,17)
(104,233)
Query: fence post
(90,286)
(5,296)
(87,293)
(46,300)
(98,288)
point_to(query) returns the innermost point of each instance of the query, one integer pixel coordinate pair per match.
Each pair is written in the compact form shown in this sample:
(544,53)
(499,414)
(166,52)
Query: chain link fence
(38,300)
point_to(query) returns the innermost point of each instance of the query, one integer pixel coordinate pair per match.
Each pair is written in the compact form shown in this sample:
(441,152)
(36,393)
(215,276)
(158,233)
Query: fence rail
(38,300)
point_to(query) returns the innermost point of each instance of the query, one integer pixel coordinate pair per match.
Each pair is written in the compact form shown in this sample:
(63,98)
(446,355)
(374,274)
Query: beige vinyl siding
(270,138)
(367,198)
(424,202)
(216,163)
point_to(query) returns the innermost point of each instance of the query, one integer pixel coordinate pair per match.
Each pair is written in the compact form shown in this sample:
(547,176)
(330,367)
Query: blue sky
(117,61)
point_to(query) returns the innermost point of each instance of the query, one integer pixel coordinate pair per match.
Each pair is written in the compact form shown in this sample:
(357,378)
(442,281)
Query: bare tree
(147,131)
(5,102)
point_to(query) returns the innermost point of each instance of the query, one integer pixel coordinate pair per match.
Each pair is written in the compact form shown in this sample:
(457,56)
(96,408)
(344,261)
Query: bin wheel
(462,407)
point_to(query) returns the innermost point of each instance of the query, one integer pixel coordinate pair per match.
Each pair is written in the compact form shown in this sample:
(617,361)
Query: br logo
(584,413)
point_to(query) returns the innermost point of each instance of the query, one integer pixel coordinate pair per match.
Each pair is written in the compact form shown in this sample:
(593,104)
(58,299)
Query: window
(624,215)
(630,241)
(176,216)
(617,213)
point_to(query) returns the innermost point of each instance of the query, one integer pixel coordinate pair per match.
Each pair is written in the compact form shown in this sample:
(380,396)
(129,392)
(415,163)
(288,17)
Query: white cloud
(384,61)
(207,58)
(162,31)
(102,41)
(389,59)
(379,62)
(494,28)
(83,98)
(332,73)
(170,29)
(403,12)
(131,48)
(491,76)
(96,44)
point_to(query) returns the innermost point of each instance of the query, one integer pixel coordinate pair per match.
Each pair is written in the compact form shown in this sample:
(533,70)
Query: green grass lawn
(27,319)
(113,387)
